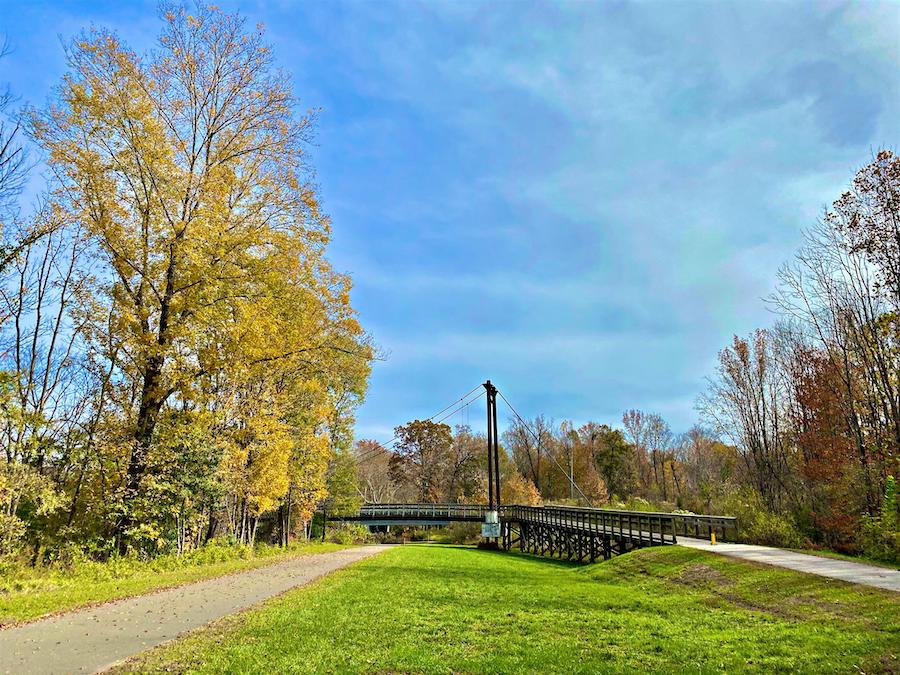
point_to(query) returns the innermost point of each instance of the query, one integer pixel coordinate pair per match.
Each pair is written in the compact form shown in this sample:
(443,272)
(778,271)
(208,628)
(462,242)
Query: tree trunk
(287,529)
(211,526)
(148,414)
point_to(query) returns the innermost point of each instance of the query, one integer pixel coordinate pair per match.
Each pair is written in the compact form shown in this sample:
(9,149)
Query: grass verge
(826,553)
(442,609)
(27,593)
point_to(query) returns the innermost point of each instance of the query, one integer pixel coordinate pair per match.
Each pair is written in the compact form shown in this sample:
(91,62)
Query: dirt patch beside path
(702,575)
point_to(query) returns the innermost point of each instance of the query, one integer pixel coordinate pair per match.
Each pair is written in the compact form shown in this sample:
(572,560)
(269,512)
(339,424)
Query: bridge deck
(639,525)
(577,533)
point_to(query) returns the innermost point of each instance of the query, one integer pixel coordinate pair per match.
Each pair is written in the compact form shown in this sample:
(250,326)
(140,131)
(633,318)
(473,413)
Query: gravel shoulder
(93,639)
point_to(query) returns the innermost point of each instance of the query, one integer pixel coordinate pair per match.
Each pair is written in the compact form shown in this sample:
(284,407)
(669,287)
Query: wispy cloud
(581,201)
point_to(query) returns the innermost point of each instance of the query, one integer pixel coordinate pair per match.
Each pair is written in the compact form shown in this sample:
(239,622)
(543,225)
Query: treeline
(644,465)
(814,403)
(179,360)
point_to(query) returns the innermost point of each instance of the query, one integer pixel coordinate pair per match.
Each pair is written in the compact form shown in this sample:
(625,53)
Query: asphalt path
(845,570)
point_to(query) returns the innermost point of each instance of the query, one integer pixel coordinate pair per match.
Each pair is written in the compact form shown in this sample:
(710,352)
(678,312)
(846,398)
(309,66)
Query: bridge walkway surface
(845,570)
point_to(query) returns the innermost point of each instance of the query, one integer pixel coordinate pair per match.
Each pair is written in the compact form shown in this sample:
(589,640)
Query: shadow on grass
(521,555)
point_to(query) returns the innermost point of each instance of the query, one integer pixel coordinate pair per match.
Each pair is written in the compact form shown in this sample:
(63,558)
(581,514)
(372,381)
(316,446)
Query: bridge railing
(639,526)
(702,526)
(422,511)
(689,524)
(653,526)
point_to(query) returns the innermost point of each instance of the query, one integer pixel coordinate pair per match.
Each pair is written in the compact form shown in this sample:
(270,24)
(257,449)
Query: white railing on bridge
(423,511)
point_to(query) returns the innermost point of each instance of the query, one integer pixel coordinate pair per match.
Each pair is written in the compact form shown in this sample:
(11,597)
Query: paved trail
(846,570)
(93,639)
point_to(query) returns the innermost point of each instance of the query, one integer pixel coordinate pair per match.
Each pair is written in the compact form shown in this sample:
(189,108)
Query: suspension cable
(537,438)
(366,455)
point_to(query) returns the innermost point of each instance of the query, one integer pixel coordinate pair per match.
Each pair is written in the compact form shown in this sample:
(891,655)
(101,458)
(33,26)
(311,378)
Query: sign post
(490,528)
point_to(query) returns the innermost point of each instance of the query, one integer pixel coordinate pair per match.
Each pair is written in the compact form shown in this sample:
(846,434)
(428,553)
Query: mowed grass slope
(441,609)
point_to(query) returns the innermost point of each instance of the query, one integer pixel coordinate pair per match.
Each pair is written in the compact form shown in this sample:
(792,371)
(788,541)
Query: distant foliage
(880,535)
(759,525)
(517,489)
(348,533)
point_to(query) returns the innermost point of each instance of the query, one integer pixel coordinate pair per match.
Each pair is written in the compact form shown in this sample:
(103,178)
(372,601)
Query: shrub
(879,541)
(757,524)
(460,533)
(635,504)
(348,533)
(880,535)
(889,504)
(418,534)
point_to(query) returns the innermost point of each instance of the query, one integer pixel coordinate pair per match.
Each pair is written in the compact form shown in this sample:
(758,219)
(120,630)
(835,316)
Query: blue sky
(580,201)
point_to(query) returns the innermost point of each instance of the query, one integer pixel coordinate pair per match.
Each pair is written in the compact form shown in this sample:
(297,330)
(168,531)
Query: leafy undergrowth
(27,593)
(441,609)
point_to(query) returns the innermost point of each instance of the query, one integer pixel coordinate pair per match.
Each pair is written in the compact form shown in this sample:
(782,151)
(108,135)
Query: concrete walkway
(94,639)
(845,570)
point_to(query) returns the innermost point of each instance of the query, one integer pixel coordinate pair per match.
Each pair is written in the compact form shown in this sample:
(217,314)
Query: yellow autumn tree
(286,355)
(256,470)
(186,168)
(516,489)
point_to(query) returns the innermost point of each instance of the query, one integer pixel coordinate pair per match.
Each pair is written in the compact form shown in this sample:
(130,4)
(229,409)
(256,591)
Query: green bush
(418,534)
(633,504)
(458,533)
(878,541)
(757,524)
(348,533)
(880,535)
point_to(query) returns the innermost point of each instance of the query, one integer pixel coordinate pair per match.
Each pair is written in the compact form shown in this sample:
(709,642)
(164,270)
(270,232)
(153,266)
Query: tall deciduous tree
(746,402)
(421,457)
(186,168)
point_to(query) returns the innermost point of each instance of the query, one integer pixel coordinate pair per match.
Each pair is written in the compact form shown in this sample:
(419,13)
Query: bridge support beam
(493,446)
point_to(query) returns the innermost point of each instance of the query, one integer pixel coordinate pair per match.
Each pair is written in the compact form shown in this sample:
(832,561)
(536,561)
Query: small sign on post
(490,528)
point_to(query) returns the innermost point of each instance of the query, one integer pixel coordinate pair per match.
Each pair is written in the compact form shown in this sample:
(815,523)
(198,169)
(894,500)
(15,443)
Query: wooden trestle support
(580,534)
(564,543)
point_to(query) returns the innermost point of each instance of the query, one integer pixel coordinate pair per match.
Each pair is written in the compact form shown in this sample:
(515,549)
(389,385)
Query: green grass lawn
(443,609)
(27,593)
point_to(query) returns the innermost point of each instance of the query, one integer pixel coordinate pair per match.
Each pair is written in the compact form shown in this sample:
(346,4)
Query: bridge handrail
(374,505)
(413,504)
(690,525)
(686,524)
(655,513)
(642,526)
(664,526)
(423,510)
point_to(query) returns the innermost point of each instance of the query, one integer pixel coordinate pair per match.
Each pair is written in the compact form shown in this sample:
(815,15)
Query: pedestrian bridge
(575,533)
